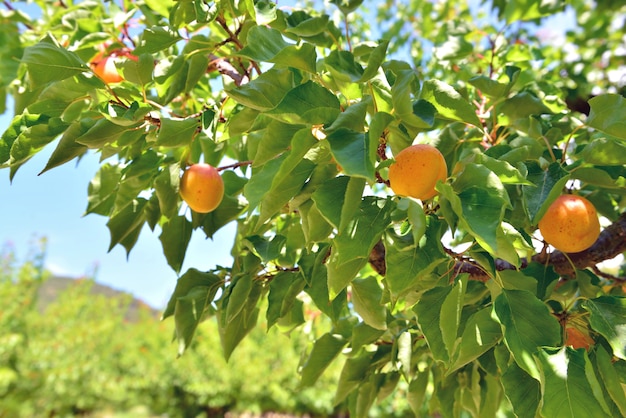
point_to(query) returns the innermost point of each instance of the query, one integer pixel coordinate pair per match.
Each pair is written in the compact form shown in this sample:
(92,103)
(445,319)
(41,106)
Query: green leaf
(404,346)
(480,205)
(547,186)
(569,385)
(324,351)
(352,246)
(367,299)
(343,66)
(315,273)
(156,39)
(352,118)
(608,114)
(504,170)
(353,373)
(286,186)
(267,250)
(267,44)
(126,225)
(186,283)
(102,133)
(610,379)
(605,151)
(284,288)
(314,226)
(234,331)
(522,390)
(67,149)
(307,104)
(451,310)
(18,126)
(338,199)
(166,188)
(417,392)
(265,12)
(177,132)
(521,106)
(363,334)
(449,103)
(480,334)
(237,296)
(303,24)
(489,87)
(428,311)
(175,238)
(276,139)
(47,61)
(264,92)
(608,317)
(102,188)
(229,209)
(407,266)
(418,114)
(188,313)
(376,57)
(352,151)
(140,71)
(347,6)
(519,312)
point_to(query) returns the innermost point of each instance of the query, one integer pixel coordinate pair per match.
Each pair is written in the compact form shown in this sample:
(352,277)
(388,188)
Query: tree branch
(226,68)
(611,243)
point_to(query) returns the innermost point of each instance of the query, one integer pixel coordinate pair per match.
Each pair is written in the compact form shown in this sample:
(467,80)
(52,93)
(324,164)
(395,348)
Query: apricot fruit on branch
(570,224)
(416,171)
(104,67)
(202,187)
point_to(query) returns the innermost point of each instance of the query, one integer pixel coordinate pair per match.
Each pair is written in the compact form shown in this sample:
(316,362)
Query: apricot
(416,171)
(202,187)
(570,224)
(104,67)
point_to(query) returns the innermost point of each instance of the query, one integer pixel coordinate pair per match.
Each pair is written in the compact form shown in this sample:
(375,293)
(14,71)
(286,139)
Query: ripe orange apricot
(416,171)
(202,187)
(570,224)
(105,68)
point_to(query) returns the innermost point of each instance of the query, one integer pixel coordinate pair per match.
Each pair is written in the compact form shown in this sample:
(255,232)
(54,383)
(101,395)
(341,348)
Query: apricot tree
(454,300)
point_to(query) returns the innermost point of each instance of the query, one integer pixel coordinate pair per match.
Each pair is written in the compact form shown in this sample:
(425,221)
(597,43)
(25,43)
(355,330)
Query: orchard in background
(455,299)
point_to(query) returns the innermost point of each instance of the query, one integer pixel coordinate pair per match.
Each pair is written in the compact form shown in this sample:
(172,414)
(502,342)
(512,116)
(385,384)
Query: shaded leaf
(175,238)
(568,385)
(608,114)
(324,351)
(367,297)
(608,317)
(520,314)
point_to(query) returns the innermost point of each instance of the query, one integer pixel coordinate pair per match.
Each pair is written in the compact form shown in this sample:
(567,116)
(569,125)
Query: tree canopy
(454,299)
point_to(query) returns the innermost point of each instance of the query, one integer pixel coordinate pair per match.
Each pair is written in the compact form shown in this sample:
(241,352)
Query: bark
(611,243)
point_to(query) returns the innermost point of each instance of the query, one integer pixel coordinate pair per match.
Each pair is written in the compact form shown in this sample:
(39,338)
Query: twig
(235,165)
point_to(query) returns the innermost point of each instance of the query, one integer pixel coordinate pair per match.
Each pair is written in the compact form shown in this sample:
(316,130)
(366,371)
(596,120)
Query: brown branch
(235,165)
(226,68)
(611,243)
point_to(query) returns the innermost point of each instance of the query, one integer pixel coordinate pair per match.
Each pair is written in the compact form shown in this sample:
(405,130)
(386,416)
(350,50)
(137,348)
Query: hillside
(52,287)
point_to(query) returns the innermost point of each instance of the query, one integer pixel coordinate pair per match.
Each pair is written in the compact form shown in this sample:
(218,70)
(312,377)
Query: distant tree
(303,110)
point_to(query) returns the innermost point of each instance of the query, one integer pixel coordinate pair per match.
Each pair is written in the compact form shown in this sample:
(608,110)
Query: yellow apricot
(202,187)
(416,171)
(570,224)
